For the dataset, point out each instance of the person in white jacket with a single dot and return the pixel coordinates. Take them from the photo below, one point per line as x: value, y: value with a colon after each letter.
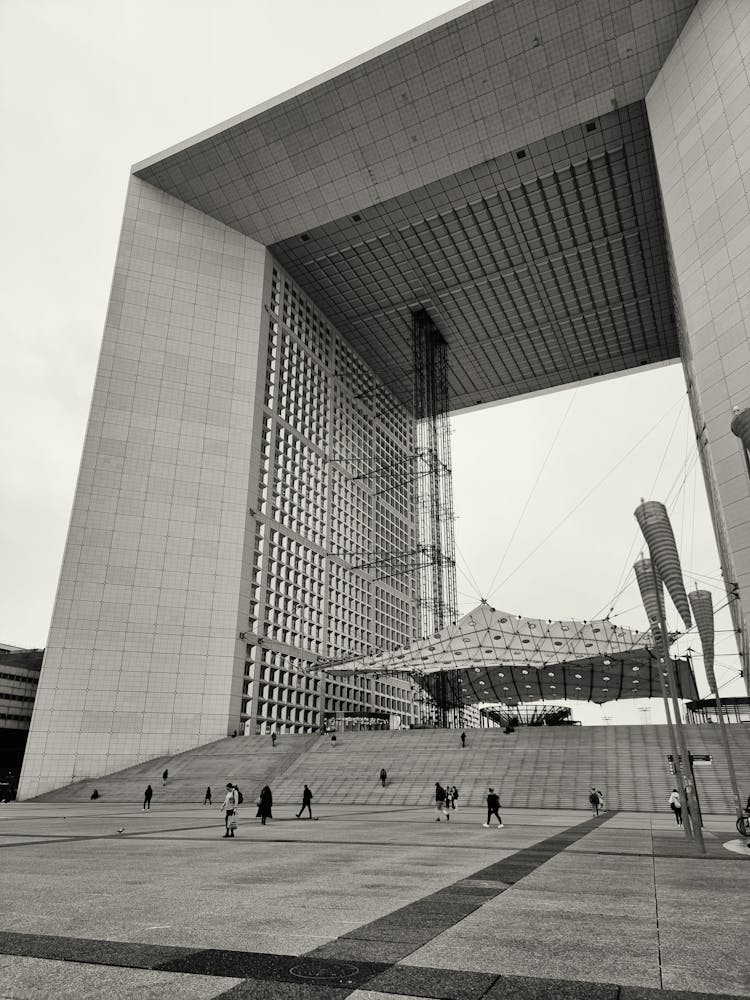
x: 675, y: 804
x: 229, y: 808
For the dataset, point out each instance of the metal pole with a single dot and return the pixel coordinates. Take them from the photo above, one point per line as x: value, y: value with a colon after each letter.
x: 728, y: 752
x: 676, y: 755
x: 695, y: 789
x: 662, y: 644
x: 689, y: 787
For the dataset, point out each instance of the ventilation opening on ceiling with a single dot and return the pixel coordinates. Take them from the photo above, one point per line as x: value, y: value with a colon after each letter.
x: 591, y: 126
x: 521, y: 154
x: 356, y: 218
x: 305, y: 237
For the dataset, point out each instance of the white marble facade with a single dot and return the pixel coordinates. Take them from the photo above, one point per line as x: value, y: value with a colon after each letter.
x: 699, y: 112
x: 143, y: 651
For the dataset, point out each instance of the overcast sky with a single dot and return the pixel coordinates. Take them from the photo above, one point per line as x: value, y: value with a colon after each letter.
x: 545, y: 488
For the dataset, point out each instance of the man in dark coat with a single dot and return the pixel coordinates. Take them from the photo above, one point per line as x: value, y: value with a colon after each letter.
x: 493, y: 808
x: 306, y: 800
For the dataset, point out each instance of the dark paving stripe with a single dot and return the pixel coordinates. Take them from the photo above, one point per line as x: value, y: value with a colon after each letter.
x: 447, y: 984
x: 254, y: 990
x: 439, y: 983
x: 527, y: 988
x: 290, y: 977
x: 407, y: 929
x: 646, y: 993
x: 90, y: 950
x: 297, y: 970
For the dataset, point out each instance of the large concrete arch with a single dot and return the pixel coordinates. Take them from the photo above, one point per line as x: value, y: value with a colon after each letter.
x: 566, y: 193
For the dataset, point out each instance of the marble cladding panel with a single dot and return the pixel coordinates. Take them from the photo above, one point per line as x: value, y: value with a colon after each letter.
x: 699, y: 112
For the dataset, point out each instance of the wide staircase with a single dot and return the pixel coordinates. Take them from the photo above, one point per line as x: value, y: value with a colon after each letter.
x: 536, y: 767
x: 247, y: 761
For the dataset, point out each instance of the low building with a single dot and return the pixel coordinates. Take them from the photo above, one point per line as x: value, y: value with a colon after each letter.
x: 19, y: 678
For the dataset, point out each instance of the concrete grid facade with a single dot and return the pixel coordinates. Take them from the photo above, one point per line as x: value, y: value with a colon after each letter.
x: 565, y: 191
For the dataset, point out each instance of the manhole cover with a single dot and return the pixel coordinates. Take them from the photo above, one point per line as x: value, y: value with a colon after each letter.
x: 325, y: 971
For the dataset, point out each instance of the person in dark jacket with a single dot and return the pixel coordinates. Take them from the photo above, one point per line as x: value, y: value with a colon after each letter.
x: 383, y: 776
x: 265, y: 801
x: 493, y: 808
x: 165, y: 776
x: 306, y: 800
x: 147, y: 796
x: 439, y: 800
x: 594, y: 800
x: 463, y: 740
x: 207, y: 796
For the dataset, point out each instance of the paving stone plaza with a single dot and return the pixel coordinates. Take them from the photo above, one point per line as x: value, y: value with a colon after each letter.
x: 366, y: 903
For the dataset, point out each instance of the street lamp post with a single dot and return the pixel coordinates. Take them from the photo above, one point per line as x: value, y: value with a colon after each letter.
x: 653, y: 520
x: 703, y: 611
x: 652, y: 595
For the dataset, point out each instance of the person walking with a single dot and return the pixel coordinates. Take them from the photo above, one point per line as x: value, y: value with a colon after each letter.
x: 265, y: 801
x: 600, y: 793
x: 229, y: 808
x: 439, y: 800
x: 207, y: 796
x: 164, y: 776
x: 454, y: 796
x: 273, y: 739
x: 448, y: 801
x: 383, y: 776
x: 493, y: 808
x: 675, y: 804
x: 147, y: 796
x: 306, y: 800
x: 463, y: 740
x: 594, y: 801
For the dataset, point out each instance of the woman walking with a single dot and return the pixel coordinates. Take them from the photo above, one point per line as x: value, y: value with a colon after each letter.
x: 229, y: 808
x: 265, y: 801
x: 675, y: 804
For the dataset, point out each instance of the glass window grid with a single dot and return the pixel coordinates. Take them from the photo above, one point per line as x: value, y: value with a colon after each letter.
x: 313, y: 600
